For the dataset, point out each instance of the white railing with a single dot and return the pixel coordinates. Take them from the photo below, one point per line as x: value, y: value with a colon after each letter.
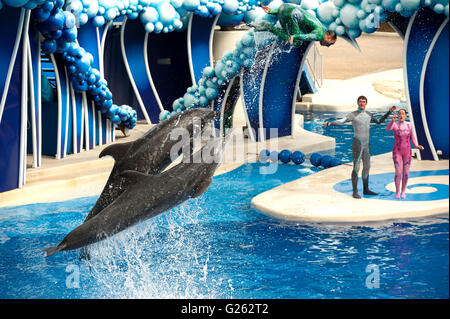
x: 315, y: 66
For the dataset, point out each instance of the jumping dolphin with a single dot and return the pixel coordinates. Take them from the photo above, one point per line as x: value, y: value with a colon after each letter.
x: 147, y: 196
x: 148, y: 154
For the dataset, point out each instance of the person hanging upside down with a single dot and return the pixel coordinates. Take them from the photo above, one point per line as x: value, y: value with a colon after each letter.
x: 297, y: 26
x: 401, y: 153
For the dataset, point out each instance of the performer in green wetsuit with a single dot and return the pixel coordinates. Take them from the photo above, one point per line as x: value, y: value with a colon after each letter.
x: 361, y: 120
x: 297, y: 26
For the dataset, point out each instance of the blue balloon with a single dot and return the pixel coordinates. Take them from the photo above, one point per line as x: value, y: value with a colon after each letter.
x: 62, y: 45
x: 48, y: 5
x: 315, y: 159
x: 55, y: 34
x: 115, y: 119
x: 40, y: 14
x: 91, y: 78
x: 59, y: 3
x: 70, y: 34
x: 285, y: 156
x: 55, y: 21
x: 79, y: 86
x: 108, y: 103
x: 82, y: 64
x: 298, y: 157
x: 49, y: 46
x: 72, y: 69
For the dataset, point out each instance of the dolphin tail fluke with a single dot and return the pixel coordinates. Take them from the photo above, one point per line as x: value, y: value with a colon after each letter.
x: 51, y: 250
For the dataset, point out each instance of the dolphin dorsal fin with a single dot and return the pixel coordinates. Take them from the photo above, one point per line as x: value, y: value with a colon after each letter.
x: 117, y: 151
x: 202, y: 187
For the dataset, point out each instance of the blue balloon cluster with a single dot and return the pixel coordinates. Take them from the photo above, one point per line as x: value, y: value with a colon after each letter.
x: 285, y: 156
x: 326, y: 161
x: 156, y: 15
x: 26, y: 4
x: 207, y: 88
x: 210, y: 8
x: 60, y: 33
x: 162, y: 15
x: 354, y: 16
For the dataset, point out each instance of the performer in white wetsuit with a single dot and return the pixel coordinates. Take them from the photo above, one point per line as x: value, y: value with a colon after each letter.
x: 361, y: 144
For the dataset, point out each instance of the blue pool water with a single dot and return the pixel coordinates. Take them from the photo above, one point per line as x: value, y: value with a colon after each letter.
x: 217, y: 246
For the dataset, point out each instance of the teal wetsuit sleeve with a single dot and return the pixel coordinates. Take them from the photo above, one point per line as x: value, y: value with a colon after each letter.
x: 273, y: 11
x: 381, y: 120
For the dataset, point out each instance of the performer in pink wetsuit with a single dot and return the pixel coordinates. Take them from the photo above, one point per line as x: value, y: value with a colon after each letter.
x: 401, y: 152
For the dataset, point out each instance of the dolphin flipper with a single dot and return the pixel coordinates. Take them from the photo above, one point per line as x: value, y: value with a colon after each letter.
x: 117, y: 151
x: 51, y: 250
x: 201, y: 188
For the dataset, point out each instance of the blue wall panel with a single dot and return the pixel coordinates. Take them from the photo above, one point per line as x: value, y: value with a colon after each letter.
x: 421, y: 35
x: 279, y: 89
x: 436, y: 96
x: 10, y: 120
x: 251, y: 84
x: 200, y: 34
x: 88, y: 39
x: 169, y: 65
x: 134, y: 35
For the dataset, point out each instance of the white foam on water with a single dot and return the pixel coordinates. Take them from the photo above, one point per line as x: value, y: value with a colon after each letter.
x: 159, y: 258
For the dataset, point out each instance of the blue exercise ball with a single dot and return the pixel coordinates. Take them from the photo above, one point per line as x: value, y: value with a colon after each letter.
x: 335, y: 162
x: 264, y: 155
x: 298, y: 157
x: 326, y: 161
x: 274, y: 156
x: 315, y: 159
x: 285, y: 156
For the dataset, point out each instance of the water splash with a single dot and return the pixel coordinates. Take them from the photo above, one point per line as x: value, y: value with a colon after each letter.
x: 165, y: 257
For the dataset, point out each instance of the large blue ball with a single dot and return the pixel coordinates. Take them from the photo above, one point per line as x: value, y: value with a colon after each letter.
x: 326, y: 161
x: 274, y: 156
x: 264, y: 155
x: 315, y: 159
x: 335, y: 162
x: 285, y: 156
x: 298, y: 157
